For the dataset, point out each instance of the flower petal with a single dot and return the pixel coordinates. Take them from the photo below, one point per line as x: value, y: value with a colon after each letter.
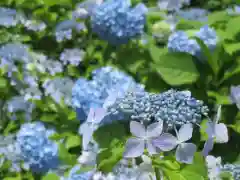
x: 137, y: 129
x: 87, y: 136
x: 185, y: 152
x: 165, y: 142
x: 134, y: 148
x: 155, y: 129
x: 221, y: 133
x: 208, y: 146
x: 185, y: 132
x: 151, y: 148
x: 210, y: 130
x: 95, y: 115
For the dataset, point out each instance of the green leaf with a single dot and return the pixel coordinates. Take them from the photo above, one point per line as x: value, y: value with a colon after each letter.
x: 51, y: 176
x: 235, y: 127
x: 107, y: 134
x: 65, y: 156
x: 48, y: 117
x: 3, y: 82
x: 177, y: 68
x: 232, y: 47
x: 172, y: 175
x: 188, y: 175
x: 108, y: 158
x: 73, y: 141
x: 219, y: 16
x: 56, y: 2
x: 197, y: 167
x: 220, y: 99
x: 156, y: 52
x: 232, y: 26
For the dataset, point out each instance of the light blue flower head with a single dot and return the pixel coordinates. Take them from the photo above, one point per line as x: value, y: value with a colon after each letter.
x: 37, y: 150
x: 116, y: 22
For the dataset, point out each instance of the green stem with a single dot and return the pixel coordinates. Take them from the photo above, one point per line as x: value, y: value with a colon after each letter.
x: 157, y: 173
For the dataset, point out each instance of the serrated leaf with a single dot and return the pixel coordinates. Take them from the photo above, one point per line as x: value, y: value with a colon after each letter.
x: 177, y: 68
x: 65, y: 156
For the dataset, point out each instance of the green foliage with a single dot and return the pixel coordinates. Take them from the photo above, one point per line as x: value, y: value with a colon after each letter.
x: 176, y: 68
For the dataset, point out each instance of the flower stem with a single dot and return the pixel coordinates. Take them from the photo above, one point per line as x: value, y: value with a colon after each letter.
x: 157, y: 173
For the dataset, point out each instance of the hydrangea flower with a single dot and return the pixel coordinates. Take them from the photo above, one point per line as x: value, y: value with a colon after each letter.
x: 143, y: 138
x: 8, y: 17
x: 194, y: 14
x: 87, y: 129
x: 235, y: 10
x: 34, y: 25
x: 172, y: 107
x: 172, y: 5
x: 233, y: 169
x: 216, y: 132
x: 36, y: 150
x: 235, y: 95
x: 180, y: 42
x: 74, y: 175
x: 84, y: 9
x: 116, y: 22
x: 214, y: 167
x: 72, y: 56
x: 19, y: 104
x: 89, y: 94
x: 59, y: 89
x: 64, y: 29
x: 185, y: 151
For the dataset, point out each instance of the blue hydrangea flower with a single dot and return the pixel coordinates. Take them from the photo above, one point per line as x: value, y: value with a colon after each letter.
x: 116, y: 22
x: 64, y: 29
x: 233, y: 169
x: 92, y: 94
x: 194, y: 14
x: 74, y: 175
x: 172, y: 107
x: 172, y: 5
x: 180, y: 42
x: 8, y: 17
x: 37, y: 151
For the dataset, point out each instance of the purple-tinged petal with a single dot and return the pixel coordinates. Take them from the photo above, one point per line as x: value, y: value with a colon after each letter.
x: 185, y: 152
x: 137, y: 129
x: 210, y: 130
x: 185, y: 132
x: 134, y: 148
x: 208, y: 146
x: 155, y: 129
x: 95, y: 115
x: 166, y: 142
x: 221, y: 133
x: 151, y: 148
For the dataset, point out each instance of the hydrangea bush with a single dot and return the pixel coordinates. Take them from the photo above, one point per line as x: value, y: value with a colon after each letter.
x: 124, y: 89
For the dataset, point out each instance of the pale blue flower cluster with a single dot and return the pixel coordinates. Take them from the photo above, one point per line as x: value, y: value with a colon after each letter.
x: 116, y: 22
x: 233, y: 169
x: 36, y: 149
x: 173, y: 107
x: 64, y: 30
x: 180, y: 42
x: 193, y: 14
x: 75, y: 175
x: 92, y: 93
